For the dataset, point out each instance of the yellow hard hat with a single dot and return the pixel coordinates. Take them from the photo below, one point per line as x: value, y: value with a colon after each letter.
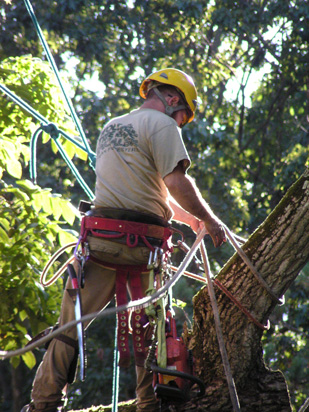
x: 176, y: 78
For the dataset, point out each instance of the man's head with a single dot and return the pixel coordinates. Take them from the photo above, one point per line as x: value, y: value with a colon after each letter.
x: 175, y: 89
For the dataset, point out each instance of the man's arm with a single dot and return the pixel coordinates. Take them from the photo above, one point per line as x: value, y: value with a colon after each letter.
x: 183, y: 189
x: 182, y: 216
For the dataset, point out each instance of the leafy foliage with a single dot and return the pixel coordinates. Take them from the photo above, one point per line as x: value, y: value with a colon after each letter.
x: 249, y: 141
x: 29, y: 215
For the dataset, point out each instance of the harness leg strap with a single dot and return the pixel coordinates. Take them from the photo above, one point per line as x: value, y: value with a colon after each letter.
x: 135, y: 287
x: 122, y: 318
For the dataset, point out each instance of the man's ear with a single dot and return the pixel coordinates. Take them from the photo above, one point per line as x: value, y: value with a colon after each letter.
x: 174, y: 101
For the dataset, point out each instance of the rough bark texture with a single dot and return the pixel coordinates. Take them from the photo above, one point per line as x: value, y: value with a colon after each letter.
x: 279, y: 250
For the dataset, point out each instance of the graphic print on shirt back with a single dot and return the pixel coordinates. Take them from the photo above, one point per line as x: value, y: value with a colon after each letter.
x: 117, y: 137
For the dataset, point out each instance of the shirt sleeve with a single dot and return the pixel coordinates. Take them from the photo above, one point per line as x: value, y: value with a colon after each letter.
x: 168, y: 150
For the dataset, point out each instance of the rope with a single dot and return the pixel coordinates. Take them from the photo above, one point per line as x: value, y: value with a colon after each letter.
x: 51, y: 261
x: 55, y: 69
x: 133, y: 305
x: 240, y: 306
x: 23, y: 104
x: 252, y: 268
x: 226, y: 365
x: 305, y: 406
x: 228, y: 294
x: 54, y: 132
x: 20, y: 102
x: 232, y: 238
x: 115, y: 373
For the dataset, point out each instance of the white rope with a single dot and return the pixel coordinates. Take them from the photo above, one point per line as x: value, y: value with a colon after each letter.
x: 225, y: 361
x: 133, y: 305
x: 51, y: 261
x: 251, y: 267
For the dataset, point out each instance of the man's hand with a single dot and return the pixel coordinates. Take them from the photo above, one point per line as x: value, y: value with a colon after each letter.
x: 216, y: 231
x: 183, y: 189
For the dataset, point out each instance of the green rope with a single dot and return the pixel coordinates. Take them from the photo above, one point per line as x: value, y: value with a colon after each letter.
x: 115, y: 372
x: 55, y: 69
x: 42, y: 119
x: 54, y: 133
x: 48, y: 127
x: 23, y: 104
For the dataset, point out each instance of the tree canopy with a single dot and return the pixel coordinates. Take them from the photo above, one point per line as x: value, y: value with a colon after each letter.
x: 248, y: 143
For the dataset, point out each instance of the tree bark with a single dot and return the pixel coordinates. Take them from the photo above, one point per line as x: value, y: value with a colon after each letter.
x: 279, y: 250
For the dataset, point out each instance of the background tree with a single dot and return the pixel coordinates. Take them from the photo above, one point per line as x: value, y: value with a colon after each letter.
x: 249, y: 141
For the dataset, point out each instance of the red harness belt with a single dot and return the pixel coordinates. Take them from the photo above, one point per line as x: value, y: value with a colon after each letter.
x: 91, y: 224
x: 128, y: 277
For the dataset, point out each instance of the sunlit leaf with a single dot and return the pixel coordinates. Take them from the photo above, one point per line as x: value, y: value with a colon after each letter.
x: 29, y: 359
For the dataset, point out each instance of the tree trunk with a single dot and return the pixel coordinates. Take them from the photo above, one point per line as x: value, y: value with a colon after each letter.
x: 279, y: 250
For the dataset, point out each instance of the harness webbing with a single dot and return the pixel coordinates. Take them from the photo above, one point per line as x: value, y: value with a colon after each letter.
x: 133, y: 305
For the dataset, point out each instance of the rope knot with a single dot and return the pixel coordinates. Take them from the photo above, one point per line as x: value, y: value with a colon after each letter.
x: 51, y: 129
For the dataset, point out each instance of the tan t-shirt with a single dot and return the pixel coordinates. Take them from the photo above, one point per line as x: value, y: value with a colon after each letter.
x: 134, y: 153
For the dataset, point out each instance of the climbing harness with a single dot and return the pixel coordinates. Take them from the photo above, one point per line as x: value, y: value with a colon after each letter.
x: 132, y: 305
x: 142, y: 304
x: 168, y: 358
x: 132, y: 231
x: 132, y: 234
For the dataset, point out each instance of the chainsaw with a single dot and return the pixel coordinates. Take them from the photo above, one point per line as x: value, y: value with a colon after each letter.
x: 176, y: 383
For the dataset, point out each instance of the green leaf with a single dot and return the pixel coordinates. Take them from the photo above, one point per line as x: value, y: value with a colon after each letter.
x: 3, y: 236
x: 15, y: 361
x: 66, y: 237
x: 14, y: 168
x: 5, y: 224
x: 29, y: 359
x: 68, y: 212
x: 21, y: 328
x: 23, y: 315
x: 56, y: 206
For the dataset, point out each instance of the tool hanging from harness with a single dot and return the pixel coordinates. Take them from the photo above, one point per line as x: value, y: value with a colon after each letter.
x: 132, y: 233
x: 170, y: 361
x: 173, y: 384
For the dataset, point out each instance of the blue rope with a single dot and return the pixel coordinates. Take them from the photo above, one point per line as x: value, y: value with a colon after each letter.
x: 23, y: 104
x: 32, y: 162
x: 54, y: 132
x: 55, y: 69
x: 115, y: 373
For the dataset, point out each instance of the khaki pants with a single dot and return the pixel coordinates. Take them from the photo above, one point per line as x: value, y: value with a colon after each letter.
x: 51, y: 377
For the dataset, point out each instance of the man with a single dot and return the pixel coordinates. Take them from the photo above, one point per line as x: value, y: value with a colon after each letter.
x: 141, y: 179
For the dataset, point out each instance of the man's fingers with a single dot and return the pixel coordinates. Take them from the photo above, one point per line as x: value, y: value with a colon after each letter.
x: 220, y: 237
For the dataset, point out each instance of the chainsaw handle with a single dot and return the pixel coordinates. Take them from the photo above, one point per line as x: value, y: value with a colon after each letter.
x: 182, y: 375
